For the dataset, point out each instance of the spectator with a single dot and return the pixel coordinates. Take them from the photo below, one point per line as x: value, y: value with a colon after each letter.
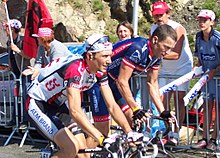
x: 49, y: 49
x: 14, y: 48
x: 178, y: 62
x: 57, y: 90
x: 130, y: 57
x: 124, y: 31
x: 207, y: 49
x: 18, y: 61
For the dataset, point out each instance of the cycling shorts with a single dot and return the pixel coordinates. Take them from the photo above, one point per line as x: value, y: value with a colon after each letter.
x: 46, y: 117
x: 100, y: 111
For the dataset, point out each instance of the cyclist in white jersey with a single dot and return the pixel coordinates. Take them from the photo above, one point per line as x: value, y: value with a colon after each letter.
x: 57, y: 90
x: 178, y: 62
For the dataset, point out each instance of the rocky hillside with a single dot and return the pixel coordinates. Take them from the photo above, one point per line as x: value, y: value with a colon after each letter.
x: 74, y: 20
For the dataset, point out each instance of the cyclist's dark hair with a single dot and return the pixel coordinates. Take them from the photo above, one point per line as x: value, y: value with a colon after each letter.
x: 164, y: 31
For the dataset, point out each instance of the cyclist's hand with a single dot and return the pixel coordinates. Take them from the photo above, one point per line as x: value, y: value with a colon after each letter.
x: 166, y: 114
x: 108, y: 140
x: 135, y: 136
x: 109, y: 143
x: 170, y: 115
x: 140, y: 115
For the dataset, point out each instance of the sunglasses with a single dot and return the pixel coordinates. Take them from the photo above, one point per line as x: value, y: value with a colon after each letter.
x: 101, y: 40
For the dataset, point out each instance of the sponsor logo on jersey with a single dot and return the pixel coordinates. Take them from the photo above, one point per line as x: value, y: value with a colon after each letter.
x: 208, y: 57
x: 52, y: 84
x: 42, y: 121
x: 90, y: 79
x: 136, y: 56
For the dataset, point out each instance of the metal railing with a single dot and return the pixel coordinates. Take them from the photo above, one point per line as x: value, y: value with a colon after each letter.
x: 194, y: 115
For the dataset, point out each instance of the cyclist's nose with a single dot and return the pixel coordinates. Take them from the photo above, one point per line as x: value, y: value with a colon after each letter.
x: 109, y: 60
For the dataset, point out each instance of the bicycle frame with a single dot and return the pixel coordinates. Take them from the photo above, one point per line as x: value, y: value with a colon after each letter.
x: 124, y: 150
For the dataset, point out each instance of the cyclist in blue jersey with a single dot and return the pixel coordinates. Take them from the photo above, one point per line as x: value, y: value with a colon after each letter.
x: 130, y: 57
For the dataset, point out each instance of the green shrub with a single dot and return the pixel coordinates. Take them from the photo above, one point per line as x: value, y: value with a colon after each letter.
x: 81, y: 38
x: 209, y: 4
x: 143, y: 27
x: 77, y: 4
x: 97, y: 5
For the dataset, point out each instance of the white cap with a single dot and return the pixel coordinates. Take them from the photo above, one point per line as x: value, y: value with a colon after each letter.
x: 205, y: 13
x: 97, y: 43
x: 13, y: 23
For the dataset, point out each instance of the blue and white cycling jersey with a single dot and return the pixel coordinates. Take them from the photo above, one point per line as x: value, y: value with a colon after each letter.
x: 135, y: 53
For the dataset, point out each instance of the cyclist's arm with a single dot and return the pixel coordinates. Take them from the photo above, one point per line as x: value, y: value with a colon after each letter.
x: 74, y: 100
x: 123, y: 85
x: 114, y: 108
x: 153, y: 87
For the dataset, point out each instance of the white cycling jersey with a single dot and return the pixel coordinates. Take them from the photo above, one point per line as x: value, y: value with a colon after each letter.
x: 50, y: 85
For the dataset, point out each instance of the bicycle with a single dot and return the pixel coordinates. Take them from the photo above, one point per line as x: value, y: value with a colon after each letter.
x: 122, y: 149
x: 148, y: 148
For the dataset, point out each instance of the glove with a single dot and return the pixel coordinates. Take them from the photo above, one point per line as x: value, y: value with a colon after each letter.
x: 108, y: 140
x: 138, y: 113
x: 135, y: 136
x: 109, y: 143
x: 165, y: 114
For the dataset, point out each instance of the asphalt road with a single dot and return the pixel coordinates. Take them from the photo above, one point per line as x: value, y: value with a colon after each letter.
x: 28, y: 150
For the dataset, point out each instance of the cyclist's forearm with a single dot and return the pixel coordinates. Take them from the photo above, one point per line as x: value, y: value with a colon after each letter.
x: 125, y: 90
x: 154, y: 93
x: 120, y: 118
x: 114, y: 108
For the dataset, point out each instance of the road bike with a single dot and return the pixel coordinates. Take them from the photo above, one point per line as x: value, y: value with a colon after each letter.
x: 147, y: 148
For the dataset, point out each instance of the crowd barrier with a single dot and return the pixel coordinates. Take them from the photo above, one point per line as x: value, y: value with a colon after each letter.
x: 194, y: 115
x: 12, y: 104
x: 8, y: 99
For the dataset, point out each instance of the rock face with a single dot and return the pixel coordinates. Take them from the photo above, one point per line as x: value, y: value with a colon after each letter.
x: 3, y: 37
x: 74, y: 20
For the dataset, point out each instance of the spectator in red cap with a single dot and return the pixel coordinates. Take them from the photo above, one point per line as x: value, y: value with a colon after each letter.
x: 18, y: 61
x: 207, y: 50
x: 49, y: 49
x: 177, y: 62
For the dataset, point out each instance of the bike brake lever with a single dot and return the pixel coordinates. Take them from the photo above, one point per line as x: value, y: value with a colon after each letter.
x: 163, y: 146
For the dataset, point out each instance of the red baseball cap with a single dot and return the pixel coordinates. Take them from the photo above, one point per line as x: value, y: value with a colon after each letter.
x: 159, y: 8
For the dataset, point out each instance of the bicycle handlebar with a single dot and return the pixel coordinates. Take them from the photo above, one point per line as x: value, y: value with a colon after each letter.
x: 167, y: 123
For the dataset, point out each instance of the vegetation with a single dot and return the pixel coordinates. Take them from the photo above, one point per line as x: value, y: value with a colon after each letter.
x: 81, y: 38
x: 97, y: 5
x: 211, y: 4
